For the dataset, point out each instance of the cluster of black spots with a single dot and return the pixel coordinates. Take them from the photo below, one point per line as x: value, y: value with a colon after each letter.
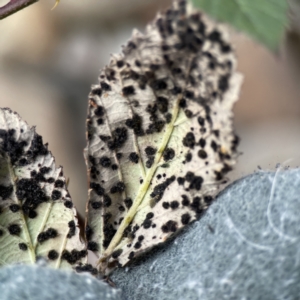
x: 30, y: 191
x: 50, y: 233
x: 185, y: 200
x: 159, y: 189
x: 56, y: 194
x: 53, y: 255
x: 188, y: 113
x: 170, y: 226
x: 23, y: 162
x: 98, y: 189
x: 235, y: 143
x: 168, y: 118
x: 59, y: 183
x: 149, y: 162
x: 14, y: 208
x: 13, y: 148
x: 133, y: 157
x: 68, y: 204
x: 180, y: 180
x: 195, y: 181
x: 32, y: 214
x: 93, y: 246
x: 105, y: 86
x: 169, y: 154
x: 165, y: 205
x: 157, y: 124
x: 45, y: 170
x: 86, y: 268
x: 14, y: 229
x: 37, y: 147
x: 109, y: 233
x: 88, y: 232
x: 72, y: 229
x: 119, y: 137
x: 131, y: 255
x: 119, y: 187
x: 23, y: 246
x: 105, y: 162
x: 162, y: 104
x: 135, y: 123
x: 96, y: 204
x: 185, y: 218
x: 188, y: 158
x: 189, y: 140
x: 202, y: 142
x: 196, y: 205
x: 128, y: 90
x: 202, y: 154
x: 73, y: 256
x: 174, y: 204
x: 128, y: 202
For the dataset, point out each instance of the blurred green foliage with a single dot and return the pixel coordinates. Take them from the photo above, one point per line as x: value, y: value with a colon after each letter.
x: 265, y: 20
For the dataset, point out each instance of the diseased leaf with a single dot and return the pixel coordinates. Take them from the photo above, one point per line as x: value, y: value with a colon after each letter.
x: 160, y: 137
x: 37, y: 217
x: 266, y: 21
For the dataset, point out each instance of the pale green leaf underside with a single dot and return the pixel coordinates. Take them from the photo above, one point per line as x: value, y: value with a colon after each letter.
x: 160, y: 136
x: 37, y: 218
x: 266, y: 21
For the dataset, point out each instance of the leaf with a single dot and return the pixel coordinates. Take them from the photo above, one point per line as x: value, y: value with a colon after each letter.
x: 266, y: 21
x: 37, y: 218
x: 160, y: 137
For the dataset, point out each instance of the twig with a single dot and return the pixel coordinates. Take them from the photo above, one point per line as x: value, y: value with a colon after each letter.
x: 14, y: 6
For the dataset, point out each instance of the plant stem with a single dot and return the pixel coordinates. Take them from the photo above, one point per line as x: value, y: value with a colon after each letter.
x: 14, y: 6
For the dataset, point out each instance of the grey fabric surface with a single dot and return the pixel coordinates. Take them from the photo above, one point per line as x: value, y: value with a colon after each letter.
x: 247, y: 246
x: 42, y: 283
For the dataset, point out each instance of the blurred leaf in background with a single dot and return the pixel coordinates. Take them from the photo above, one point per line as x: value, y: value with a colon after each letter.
x: 265, y: 20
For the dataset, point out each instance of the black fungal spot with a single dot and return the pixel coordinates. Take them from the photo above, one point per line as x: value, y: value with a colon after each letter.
x: 106, y: 201
x: 73, y: 256
x: 109, y: 233
x: 158, y: 85
x: 100, y: 121
x: 223, y: 83
x: 201, y: 121
x: 170, y: 226
x: 114, y: 167
x: 189, y: 94
x: 55, y: 195
x: 128, y: 90
x: 117, y: 253
x: 174, y: 204
x: 104, y: 138
x: 93, y: 246
x: 180, y: 180
x: 128, y: 202
x: 121, y: 208
x: 150, y: 162
x: 45, y: 170
x: 23, y: 246
x: 162, y: 104
x: 59, y: 183
x: 120, y: 63
x: 105, y: 86
x: 32, y: 214
x: 182, y: 103
x: 105, y: 161
x: 137, y: 245
x: 208, y: 199
x: 68, y: 204
x: 50, y: 180
x: 99, y: 190
x: 188, y: 158
x: 88, y: 232
x: 72, y: 229
x: 141, y: 238
x: 185, y: 200
x: 189, y: 140
x: 158, y: 190
x: 97, y: 91
x: 119, y: 155
x: 147, y: 223
x: 188, y: 113
x: 165, y: 205
x: 86, y: 268
x: 133, y: 157
x: 1, y: 232
x: 150, y: 151
x: 118, y: 188
x: 214, y: 146
x: 168, y: 117
x: 14, y: 208
x: 149, y: 215
x: 131, y: 255
x: 185, y: 218
x: 202, y: 154
x: 202, y: 143
x: 5, y: 191
x: 169, y: 154
x: 53, y: 255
